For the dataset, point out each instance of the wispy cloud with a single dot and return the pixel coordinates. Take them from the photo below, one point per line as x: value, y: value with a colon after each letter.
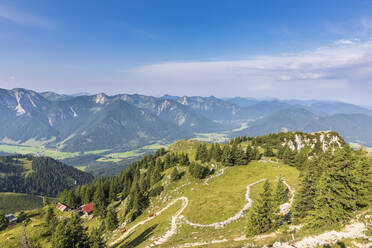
x: 334, y: 67
x: 21, y: 18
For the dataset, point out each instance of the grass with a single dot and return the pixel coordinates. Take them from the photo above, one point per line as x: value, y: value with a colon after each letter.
x: 82, y: 167
x: 14, y: 202
x: 152, y: 229
x: 21, y: 149
x: 221, y: 199
x: 119, y: 156
x: 212, y: 137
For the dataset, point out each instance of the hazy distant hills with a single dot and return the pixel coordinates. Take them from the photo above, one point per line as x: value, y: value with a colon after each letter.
x: 126, y: 121
x: 352, y: 127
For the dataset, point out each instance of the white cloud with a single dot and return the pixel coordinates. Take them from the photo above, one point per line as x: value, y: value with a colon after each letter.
x: 344, y: 42
x: 331, y: 68
x: 21, y: 18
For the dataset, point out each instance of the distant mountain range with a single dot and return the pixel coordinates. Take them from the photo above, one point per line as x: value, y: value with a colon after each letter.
x: 124, y: 121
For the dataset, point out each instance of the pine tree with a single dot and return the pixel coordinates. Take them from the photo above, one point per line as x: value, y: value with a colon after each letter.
x: 249, y: 154
x: 240, y: 157
x: 226, y: 157
x: 111, y: 220
x: 203, y: 153
x: 262, y: 215
x: 336, y: 192
x: 156, y: 176
x: 175, y: 174
x: 184, y: 160
x: 51, y: 219
x: 96, y: 240
x: 70, y: 233
x: 289, y: 156
x: 167, y: 161
x: 281, y: 192
x: 99, y: 201
x: 304, y: 199
x: 217, y: 153
x: 256, y: 154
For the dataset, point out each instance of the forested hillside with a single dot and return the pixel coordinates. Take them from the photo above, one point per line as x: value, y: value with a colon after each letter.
x: 249, y: 191
x: 38, y: 175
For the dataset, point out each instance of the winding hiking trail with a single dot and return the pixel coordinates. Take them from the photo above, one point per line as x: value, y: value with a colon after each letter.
x: 231, y: 219
x: 286, y: 207
x: 177, y: 216
x: 214, y: 176
x: 352, y: 231
x: 130, y: 230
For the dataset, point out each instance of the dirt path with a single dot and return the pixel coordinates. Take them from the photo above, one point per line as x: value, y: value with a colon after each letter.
x: 352, y: 231
x: 214, y: 176
x: 177, y: 216
x: 286, y: 207
x: 231, y: 219
x: 130, y: 230
x: 173, y: 230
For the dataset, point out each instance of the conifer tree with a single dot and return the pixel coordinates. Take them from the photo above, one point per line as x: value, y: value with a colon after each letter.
x: 156, y: 176
x: 70, y: 233
x: 99, y: 201
x: 111, y: 220
x: 175, y: 174
x: 256, y: 154
x: 262, y: 218
x: 249, y: 154
x: 336, y: 192
x: 217, y: 153
x: 304, y: 199
x: 96, y: 240
x: 281, y: 192
x: 184, y: 159
x: 226, y: 157
x: 289, y: 156
x: 50, y: 219
x: 167, y: 161
x: 240, y: 156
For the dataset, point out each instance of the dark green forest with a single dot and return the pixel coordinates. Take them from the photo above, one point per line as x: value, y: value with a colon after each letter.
x: 45, y: 177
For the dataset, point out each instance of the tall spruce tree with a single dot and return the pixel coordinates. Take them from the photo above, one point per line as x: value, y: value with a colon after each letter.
x: 262, y: 215
x: 70, y: 234
x: 111, y: 221
x: 96, y: 240
x: 304, y: 199
x: 336, y: 192
x: 51, y: 219
x: 99, y: 201
x: 217, y: 153
x: 226, y: 157
x: 281, y: 192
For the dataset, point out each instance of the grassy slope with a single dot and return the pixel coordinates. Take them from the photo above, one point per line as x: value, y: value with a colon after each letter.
x: 221, y: 199
x: 14, y: 202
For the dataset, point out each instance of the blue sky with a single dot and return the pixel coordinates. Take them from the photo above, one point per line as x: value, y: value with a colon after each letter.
x: 286, y: 49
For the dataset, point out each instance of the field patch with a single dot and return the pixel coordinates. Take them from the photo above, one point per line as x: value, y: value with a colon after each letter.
x: 15, y: 202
